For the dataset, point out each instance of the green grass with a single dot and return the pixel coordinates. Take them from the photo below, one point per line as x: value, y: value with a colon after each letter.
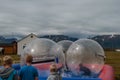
x: 113, y: 59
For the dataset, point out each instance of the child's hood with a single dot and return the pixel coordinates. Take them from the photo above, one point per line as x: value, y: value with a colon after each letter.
x: 5, y: 72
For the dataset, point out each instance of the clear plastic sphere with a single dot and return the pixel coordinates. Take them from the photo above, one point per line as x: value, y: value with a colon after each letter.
x: 38, y: 48
x: 86, y: 52
x: 64, y: 44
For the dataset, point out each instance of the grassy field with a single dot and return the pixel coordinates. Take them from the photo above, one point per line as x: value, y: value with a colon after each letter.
x: 112, y: 58
x: 16, y: 58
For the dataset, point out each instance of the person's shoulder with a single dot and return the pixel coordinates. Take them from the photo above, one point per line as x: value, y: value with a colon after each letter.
x: 14, y: 71
x: 2, y: 69
x: 34, y: 67
x: 51, y: 77
x: 23, y: 67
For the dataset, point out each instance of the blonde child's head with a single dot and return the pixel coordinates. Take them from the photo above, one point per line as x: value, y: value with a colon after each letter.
x: 53, y: 68
x: 7, y: 60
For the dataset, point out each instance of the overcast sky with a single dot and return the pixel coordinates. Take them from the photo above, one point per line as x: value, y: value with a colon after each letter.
x: 71, y: 17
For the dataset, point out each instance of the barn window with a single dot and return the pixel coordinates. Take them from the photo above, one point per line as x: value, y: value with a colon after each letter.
x: 24, y: 46
x: 31, y: 36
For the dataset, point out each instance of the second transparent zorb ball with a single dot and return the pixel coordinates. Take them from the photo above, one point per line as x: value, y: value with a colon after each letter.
x: 40, y: 50
x: 86, y: 52
x: 64, y: 44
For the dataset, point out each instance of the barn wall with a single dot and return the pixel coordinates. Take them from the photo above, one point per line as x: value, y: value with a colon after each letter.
x: 21, y: 44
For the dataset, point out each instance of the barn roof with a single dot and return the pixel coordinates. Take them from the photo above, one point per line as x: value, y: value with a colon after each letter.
x: 26, y: 37
x: 6, y: 44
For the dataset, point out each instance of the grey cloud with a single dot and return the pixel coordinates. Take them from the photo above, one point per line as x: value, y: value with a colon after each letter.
x: 59, y: 16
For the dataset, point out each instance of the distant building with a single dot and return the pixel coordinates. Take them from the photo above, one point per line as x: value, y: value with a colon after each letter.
x: 8, y: 48
x: 21, y: 44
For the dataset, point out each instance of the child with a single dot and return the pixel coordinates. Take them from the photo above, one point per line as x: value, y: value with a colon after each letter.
x: 84, y: 70
x: 28, y: 72
x: 7, y: 72
x: 53, y: 73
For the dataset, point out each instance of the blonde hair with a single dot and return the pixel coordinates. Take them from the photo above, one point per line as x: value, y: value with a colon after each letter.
x: 29, y: 58
x: 53, y: 68
x: 7, y: 60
